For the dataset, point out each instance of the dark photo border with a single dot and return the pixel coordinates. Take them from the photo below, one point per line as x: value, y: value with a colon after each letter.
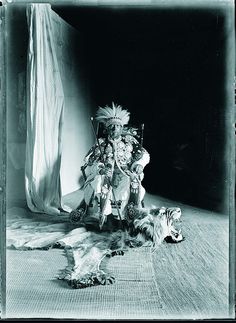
x: 227, y: 119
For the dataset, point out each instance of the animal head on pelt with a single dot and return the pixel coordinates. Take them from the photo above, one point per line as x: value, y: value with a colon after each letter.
x: 140, y: 227
x: 155, y: 225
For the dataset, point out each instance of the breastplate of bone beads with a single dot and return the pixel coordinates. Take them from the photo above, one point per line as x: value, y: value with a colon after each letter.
x: 120, y: 151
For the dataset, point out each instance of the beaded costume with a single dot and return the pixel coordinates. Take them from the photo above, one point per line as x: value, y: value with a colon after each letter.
x: 103, y: 194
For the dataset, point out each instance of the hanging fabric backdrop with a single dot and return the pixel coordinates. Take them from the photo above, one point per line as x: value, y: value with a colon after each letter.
x: 45, y: 104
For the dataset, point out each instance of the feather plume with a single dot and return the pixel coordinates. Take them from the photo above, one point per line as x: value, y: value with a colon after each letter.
x: 113, y: 114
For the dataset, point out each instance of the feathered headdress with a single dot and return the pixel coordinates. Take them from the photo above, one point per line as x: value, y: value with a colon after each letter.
x: 112, y: 115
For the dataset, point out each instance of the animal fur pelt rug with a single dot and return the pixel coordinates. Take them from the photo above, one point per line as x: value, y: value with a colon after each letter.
x: 86, y: 246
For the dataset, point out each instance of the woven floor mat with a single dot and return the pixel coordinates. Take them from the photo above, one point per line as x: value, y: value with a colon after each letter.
x: 193, y: 276
x: 32, y: 290
x: 179, y: 281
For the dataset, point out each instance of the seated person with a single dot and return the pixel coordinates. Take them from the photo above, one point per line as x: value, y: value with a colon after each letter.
x: 114, y: 169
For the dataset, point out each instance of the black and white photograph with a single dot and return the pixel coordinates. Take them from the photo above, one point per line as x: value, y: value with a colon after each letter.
x: 117, y: 184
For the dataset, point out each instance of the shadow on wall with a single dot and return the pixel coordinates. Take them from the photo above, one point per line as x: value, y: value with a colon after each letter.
x: 168, y: 69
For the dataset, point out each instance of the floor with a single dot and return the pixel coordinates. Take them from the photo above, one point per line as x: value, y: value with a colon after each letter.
x: 189, y: 280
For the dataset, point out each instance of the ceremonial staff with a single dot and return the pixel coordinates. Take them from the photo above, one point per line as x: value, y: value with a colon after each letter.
x: 142, y: 130
x: 113, y: 193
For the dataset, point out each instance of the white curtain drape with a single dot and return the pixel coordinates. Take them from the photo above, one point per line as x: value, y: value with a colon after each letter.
x: 45, y: 104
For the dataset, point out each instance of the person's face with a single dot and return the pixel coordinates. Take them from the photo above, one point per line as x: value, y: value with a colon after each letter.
x: 114, y: 130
